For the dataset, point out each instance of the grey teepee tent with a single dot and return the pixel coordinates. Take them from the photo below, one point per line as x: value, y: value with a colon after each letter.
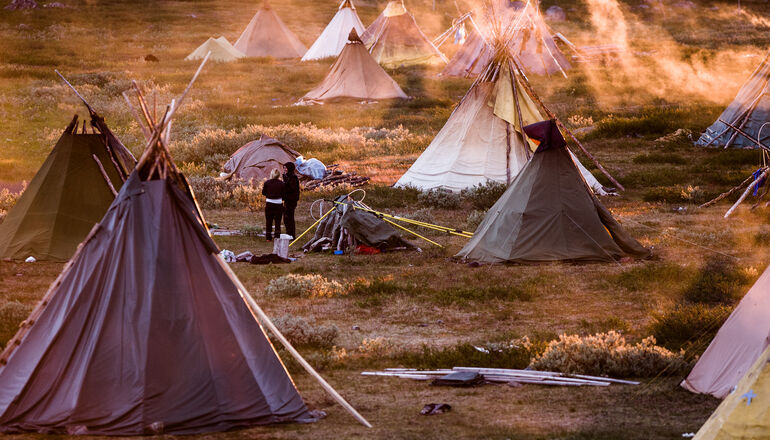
x: 68, y: 195
x: 749, y: 111
x: 548, y: 213
x: 145, y: 331
x: 267, y: 36
x: 355, y: 75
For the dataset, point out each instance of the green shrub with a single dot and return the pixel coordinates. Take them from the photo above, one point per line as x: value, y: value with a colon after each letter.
x: 675, y: 194
x: 719, y: 281
x: 652, y: 121
x: 214, y: 193
x: 732, y: 158
x: 688, y: 326
x: 641, y: 277
x: 667, y: 158
x: 383, y: 197
x: 305, y: 286
x: 8, y: 200
x: 609, y: 354
x: 439, y: 198
x: 483, y: 196
x: 474, y: 220
x: 513, y: 354
x: 305, y: 333
x: 11, y: 315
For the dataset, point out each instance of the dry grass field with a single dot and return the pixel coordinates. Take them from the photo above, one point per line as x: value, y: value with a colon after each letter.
x: 423, y: 309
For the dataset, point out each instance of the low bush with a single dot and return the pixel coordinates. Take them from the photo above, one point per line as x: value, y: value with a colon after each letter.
x: 483, y: 196
x: 667, y: 158
x: 512, y: 354
x: 438, y: 198
x: 383, y: 197
x: 213, y: 193
x: 675, y: 194
x: 11, y: 315
x: 641, y: 277
x: 306, y: 333
x: 719, y: 281
x: 372, y: 293
x: 305, y: 286
x: 474, y: 220
x: 652, y: 121
x: 609, y: 354
x: 734, y: 158
x: 688, y: 326
x: 375, y: 347
x: 8, y: 200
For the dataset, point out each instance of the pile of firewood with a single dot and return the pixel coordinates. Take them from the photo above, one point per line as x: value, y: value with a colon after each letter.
x: 336, y: 177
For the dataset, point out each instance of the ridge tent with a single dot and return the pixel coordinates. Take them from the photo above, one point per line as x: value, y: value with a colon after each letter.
x: 749, y: 111
x: 745, y: 412
x: 254, y: 160
x: 267, y: 36
x: 355, y: 75
x: 394, y: 39
x: 548, y: 213
x: 333, y: 38
x: 483, y: 138
x: 221, y: 51
x: 738, y: 344
x: 68, y: 195
x: 532, y: 44
x: 145, y: 331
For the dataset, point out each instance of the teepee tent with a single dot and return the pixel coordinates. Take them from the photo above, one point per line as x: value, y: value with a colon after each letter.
x: 737, y: 345
x: 483, y: 138
x: 333, y: 38
x: 745, y: 412
x: 221, y: 51
x: 749, y: 111
x: 394, y: 39
x: 355, y: 75
x: 548, y: 213
x: 255, y: 160
x: 267, y: 36
x: 147, y: 330
x: 68, y: 195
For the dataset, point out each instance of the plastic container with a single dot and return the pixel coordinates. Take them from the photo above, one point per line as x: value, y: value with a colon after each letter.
x: 338, y: 252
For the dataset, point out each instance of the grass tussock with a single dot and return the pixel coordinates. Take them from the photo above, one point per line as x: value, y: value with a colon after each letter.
x: 305, y: 333
x: 676, y: 194
x: 512, y: 354
x: 689, y: 327
x: 305, y: 286
x: 609, y: 354
x: 7, y: 201
x: 719, y: 281
x: 483, y: 196
x: 439, y: 198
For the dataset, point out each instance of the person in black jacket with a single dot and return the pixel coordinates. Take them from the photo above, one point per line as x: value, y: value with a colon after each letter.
x: 290, y: 197
x: 273, y: 189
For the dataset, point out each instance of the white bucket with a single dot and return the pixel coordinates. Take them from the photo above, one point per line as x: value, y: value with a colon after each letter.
x: 281, y: 245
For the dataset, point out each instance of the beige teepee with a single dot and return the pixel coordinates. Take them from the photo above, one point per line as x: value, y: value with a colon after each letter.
x: 332, y: 40
x: 221, y: 51
x: 267, y: 36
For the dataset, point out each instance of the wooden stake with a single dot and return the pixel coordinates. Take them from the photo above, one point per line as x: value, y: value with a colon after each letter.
x: 261, y: 315
x: 746, y: 193
x: 104, y: 174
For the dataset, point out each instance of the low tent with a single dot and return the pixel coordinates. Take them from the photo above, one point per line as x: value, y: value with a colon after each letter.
x: 745, y: 412
x: 483, y: 139
x: 548, y: 213
x: 146, y: 331
x: 256, y: 159
x: 68, y: 195
x: 739, y: 343
x: 351, y: 224
x: 355, y: 75
x: 333, y: 38
x: 267, y: 36
x: 394, y: 39
x: 221, y: 51
x: 749, y: 111
x: 532, y: 44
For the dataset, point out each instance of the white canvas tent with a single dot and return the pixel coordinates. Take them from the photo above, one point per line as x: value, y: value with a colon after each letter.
x: 221, y: 51
x: 737, y: 345
x: 483, y: 138
x: 267, y: 36
x: 333, y: 38
x: 355, y: 75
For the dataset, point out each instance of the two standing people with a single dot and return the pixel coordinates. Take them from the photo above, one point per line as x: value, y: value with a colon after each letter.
x: 281, y: 201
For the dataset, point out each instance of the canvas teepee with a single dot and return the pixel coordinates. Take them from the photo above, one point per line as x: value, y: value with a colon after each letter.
x: 532, y: 44
x: 146, y: 330
x: 745, y: 412
x: 749, y: 111
x: 68, y: 195
x: 267, y: 36
x: 255, y: 160
x: 394, y: 39
x: 483, y: 138
x: 221, y: 51
x: 333, y: 38
x: 355, y: 75
x: 738, y: 344
x: 549, y: 214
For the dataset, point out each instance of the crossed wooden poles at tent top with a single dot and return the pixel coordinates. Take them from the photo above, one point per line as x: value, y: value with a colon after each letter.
x: 156, y: 162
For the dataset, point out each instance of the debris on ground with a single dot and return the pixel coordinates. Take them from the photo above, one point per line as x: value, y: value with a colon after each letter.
x: 432, y: 409
x: 336, y: 177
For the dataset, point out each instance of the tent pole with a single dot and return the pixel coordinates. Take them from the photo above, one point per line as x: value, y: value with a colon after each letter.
x: 746, y: 193
x: 104, y: 174
x: 412, y: 232
x: 568, y: 131
x: 260, y: 314
x: 312, y: 226
x: 518, y: 112
x: 728, y: 193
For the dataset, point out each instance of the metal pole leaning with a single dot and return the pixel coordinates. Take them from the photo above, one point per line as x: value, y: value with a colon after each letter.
x: 312, y: 226
x: 448, y: 230
x: 259, y: 313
